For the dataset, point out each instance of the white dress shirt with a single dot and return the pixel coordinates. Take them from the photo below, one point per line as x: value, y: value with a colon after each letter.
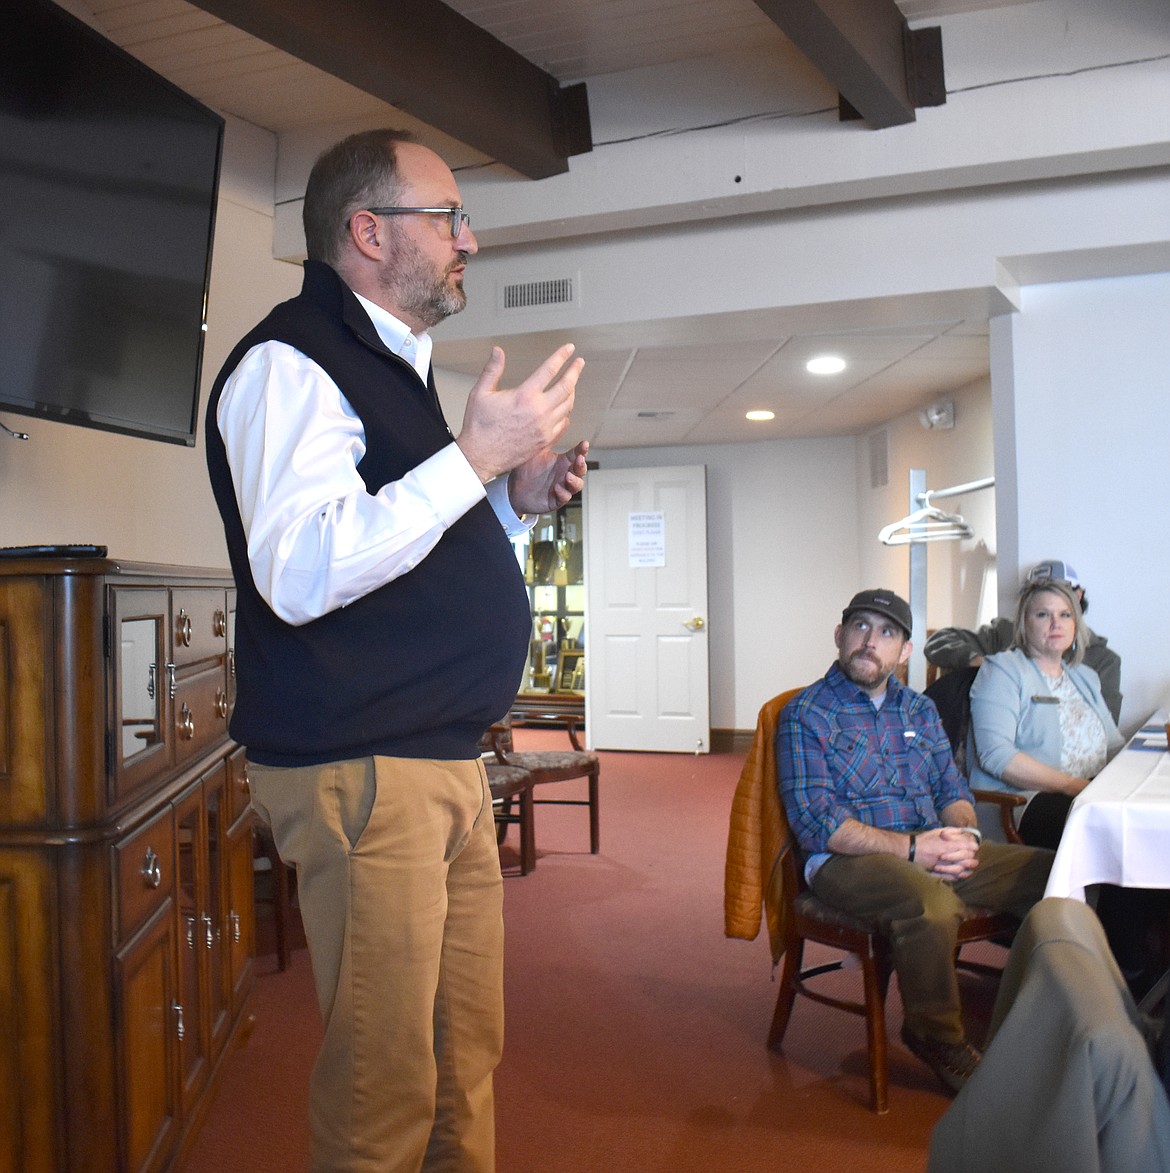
x: 317, y: 540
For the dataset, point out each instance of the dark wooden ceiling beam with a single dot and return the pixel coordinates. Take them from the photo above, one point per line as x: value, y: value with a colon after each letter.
x: 882, y: 69
x: 433, y: 63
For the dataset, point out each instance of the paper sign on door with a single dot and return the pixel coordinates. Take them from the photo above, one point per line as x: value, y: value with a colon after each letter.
x: 647, y: 539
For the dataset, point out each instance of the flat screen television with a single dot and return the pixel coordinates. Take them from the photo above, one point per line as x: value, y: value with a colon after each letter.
x: 108, y: 180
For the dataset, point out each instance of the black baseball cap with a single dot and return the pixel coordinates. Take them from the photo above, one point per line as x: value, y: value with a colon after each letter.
x: 882, y: 602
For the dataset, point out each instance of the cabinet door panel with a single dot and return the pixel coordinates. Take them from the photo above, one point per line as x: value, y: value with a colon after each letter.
x: 215, y: 790
x: 195, y: 930
x: 140, y: 681
x: 28, y: 1093
x: 151, y: 1018
x: 239, y: 793
x: 241, y: 914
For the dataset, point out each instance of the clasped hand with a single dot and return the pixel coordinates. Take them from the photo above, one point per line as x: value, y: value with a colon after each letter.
x: 513, y: 430
x: 949, y: 853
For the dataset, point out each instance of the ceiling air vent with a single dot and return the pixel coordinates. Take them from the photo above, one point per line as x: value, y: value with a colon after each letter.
x: 527, y: 295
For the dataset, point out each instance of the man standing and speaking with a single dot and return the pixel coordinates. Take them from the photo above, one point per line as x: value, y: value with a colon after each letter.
x: 382, y: 625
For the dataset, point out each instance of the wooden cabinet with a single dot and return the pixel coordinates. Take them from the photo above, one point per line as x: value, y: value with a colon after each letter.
x: 126, y: 933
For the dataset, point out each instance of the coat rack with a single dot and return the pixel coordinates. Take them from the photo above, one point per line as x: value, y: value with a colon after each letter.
x: 926, y: 523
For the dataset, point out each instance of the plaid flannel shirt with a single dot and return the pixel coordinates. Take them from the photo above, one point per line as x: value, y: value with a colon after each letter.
x: 838, y: 758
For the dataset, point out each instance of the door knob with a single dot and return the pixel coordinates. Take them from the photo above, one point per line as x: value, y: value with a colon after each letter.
x: 696, y: 624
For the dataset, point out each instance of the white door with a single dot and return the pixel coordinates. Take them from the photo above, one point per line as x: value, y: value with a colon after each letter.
x: 646, y: 609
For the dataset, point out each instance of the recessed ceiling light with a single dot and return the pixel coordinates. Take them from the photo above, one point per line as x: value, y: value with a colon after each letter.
x: 760, y: 415
x: 825, y: 364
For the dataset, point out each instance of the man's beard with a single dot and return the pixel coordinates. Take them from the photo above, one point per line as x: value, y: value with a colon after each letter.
x: 414, y: 289
x: 863, y: 670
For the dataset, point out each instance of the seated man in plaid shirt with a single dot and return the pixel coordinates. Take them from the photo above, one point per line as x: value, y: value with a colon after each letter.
x: 887, y: 823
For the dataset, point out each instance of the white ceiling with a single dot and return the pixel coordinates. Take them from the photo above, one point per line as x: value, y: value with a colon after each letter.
x: 637, y: 389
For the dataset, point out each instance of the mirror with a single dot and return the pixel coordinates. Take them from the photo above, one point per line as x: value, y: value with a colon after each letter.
x: 141, y: 685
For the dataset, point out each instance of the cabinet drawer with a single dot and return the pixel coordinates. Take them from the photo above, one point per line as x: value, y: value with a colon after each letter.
x: 198, y: 624
x: 144, y: 871
x: 200, y: 711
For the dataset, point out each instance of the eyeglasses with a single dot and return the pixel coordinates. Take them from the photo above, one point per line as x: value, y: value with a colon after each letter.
x: 457, y: 216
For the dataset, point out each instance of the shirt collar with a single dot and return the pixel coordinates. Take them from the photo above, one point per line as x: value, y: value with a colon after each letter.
x: 399, y: 339
x: 848, y: 691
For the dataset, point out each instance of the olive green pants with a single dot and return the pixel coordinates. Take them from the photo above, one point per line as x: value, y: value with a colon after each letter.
x: 919, y: 915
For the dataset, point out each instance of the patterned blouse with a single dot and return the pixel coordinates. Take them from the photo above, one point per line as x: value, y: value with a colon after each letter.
x: 1083, y: 740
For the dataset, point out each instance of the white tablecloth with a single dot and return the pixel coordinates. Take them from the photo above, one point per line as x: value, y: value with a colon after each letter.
x: 1118, y: 831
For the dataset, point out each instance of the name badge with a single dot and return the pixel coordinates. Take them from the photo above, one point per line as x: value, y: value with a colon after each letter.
x: 1045, y: 699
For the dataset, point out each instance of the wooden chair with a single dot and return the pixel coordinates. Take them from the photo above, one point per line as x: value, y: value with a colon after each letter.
x: 762, y: 842
x: 264, y: 849
x: 554, y: 766
x: 507, y: 783
x: 951, y: 693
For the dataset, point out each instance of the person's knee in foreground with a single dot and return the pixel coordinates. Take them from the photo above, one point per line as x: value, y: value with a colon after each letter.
x: 382, y: 626
x: 887, y: 823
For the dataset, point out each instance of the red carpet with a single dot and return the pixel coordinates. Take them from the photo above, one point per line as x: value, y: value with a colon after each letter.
x: 635, y: 1035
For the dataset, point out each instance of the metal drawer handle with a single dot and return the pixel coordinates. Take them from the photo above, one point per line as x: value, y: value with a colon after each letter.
x: 190, y: 932
x: 183, y: 628
x: 234, y: 918
x: 186, y: 723
x: 151, y: 869
x: 221, y: 703
x: 179, y: 1029
x: 219, y: 623
x: 209, y: 932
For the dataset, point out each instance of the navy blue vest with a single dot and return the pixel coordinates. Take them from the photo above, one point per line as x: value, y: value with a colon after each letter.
x: 420, y: 666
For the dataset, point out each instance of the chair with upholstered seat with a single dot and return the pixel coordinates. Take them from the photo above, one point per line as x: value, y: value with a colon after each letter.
x: 765, y: 871
x: 554, y: 766
x: 508, y: 783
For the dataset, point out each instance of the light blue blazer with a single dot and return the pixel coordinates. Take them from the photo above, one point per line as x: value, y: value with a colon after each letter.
x: 1007, y: 717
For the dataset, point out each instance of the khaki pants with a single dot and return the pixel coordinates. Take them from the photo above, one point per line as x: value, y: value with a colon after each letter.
x: 399, y: 884
x: 920, y: 916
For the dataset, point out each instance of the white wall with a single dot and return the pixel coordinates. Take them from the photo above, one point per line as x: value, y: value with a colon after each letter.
x: 781, y: 522
x: 792, y: 535
x: 1084, y: 384
x: 148, y: 501
x: 960, y: 575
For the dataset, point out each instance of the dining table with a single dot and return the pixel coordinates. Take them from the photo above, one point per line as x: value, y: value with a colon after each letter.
x: 1118, y: 830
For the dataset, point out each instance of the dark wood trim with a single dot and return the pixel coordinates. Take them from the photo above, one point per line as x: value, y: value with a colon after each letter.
x: 731, y: 740
x: 431, y: 62
x: 867, y: 50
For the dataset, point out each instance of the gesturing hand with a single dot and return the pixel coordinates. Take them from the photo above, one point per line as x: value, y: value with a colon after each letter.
x: 506, y: 429
x: 548, y: 480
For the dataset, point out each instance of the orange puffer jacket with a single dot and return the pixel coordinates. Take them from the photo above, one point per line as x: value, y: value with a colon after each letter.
x: 758, y: 835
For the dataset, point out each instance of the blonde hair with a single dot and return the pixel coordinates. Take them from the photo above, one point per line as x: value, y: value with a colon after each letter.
x: 1073, y: 655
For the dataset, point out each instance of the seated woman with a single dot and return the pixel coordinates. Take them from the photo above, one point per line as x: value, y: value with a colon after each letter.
x: 1039, y: 724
